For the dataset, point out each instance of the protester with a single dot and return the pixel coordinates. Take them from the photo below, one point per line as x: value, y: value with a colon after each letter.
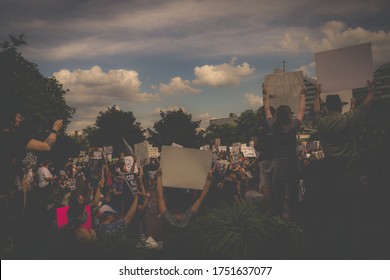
x: 336, y: 132
x: 286, y: 166
x: 13, y: 148
x: 266, y: 154
x: 182, y: 219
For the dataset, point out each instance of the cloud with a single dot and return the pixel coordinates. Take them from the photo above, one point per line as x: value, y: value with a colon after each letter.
x: 96, y: 87
x: 222, y: 74
x: 177, y: 86
x: 336, y: 34
x: 93, y: 90
x: 253, y: 100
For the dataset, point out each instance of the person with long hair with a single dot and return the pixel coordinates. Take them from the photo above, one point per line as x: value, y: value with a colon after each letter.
x: 286, y: 171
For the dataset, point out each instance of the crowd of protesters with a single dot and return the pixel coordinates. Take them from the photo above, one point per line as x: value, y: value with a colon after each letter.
x: 102, y: 201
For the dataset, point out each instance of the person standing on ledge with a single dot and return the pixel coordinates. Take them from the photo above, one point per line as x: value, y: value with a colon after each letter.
x: 13, y: 149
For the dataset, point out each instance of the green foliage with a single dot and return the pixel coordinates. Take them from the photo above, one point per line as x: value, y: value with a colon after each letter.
x: 40, y: 99
x: 176, y: 127
x: 111, y: 125
x: 242, y: 232
x: 246, y: 128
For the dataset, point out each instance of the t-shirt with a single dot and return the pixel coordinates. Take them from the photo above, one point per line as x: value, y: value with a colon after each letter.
x: 12, y: 151
x: 265, y: 143
x: 285, y: 140
x: 43, y: 173
x: 108, y: 229
x: 336, y: 131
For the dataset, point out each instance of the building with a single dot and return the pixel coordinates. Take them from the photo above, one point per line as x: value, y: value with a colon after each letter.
x: 382, y: 91
x: 231, y: 120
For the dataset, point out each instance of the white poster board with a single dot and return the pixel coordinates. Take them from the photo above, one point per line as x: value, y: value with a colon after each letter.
x: 222, y: 148
x: 107, y: 150
x: 142, y: 153
x: 344, y: 68
x: 153, y: 152
x: 249, y: 152
x: 185, y: 168
x: 176, y: 145
x: 235, y: 149
x: 129, y: 163
x: 284, y: 84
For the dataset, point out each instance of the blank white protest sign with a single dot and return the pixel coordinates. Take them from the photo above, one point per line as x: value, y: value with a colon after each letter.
x: 344, y: 68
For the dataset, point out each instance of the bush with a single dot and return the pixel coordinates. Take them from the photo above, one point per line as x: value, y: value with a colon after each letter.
x: 242, y: 232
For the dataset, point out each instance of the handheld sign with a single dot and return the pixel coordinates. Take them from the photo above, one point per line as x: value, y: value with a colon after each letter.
x: 344, y: 68
x: 153, y: 152
x: 142, y: 153
x: 131, y: 182
x: 185, y: 168
x: 249, y: 152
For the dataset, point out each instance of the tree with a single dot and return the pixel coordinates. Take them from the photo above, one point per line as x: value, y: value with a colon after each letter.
x: 245, y: 129
x: 40, y: 99
x: 111, y: 125
x: 176, y: 127
x: 226, y: 132
x: 247, y: 126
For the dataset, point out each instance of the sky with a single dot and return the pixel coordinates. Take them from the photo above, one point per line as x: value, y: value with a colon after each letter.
x: 208, y: 57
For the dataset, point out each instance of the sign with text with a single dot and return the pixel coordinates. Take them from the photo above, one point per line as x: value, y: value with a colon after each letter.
x: 153, y: 152
x: 107, y: 150
x: 129, y: 161
x: 142, y: 153
x: 95, y: 168
x: 217, y: 142
x: 249, y: 152
x: 235, y: 149
x: 344, y: 68
x: 185, y: 168
x: 131, y: 182
x: 284, y: 84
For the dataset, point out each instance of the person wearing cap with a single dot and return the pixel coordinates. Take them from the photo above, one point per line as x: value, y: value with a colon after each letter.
x: 336, y: 129
x: 111, y: 223
x: 336, y: 133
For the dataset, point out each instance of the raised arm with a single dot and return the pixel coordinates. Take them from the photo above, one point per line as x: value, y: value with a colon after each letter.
x: 96, y: 198
x: 267, y: 107
x: 195, y: 207
x: 370, y: 96
x: 160, y: 195
x: 39, y: 146
x: 316, y: 104
x: 132, y: 210
x: 302, y: 104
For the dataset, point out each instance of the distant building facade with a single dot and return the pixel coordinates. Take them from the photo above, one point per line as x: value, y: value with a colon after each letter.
x: 231, y: 120
x: 382, y: 89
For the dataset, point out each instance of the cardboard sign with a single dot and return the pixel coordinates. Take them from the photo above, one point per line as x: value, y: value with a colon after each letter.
x: 129, y: 163
x: 153, y: 152
x: 235, y: 149
x: 242, y: 146
x: 95, y: 168
x: 222, y: 148
x: 185, y: 168
x: 249, y: 152
x: 176, y: 145
x: 142, y: 153
x: 284, y: 84
x: 217, y: 142
x: 29, y: 159
x: 251, y: 143
x: 62, y: 218
x: 107, y: 150
x: 344, y: 68
x: 131, y: 182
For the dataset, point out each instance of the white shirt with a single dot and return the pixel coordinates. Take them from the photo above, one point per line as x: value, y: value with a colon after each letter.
x: 43, y: 173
